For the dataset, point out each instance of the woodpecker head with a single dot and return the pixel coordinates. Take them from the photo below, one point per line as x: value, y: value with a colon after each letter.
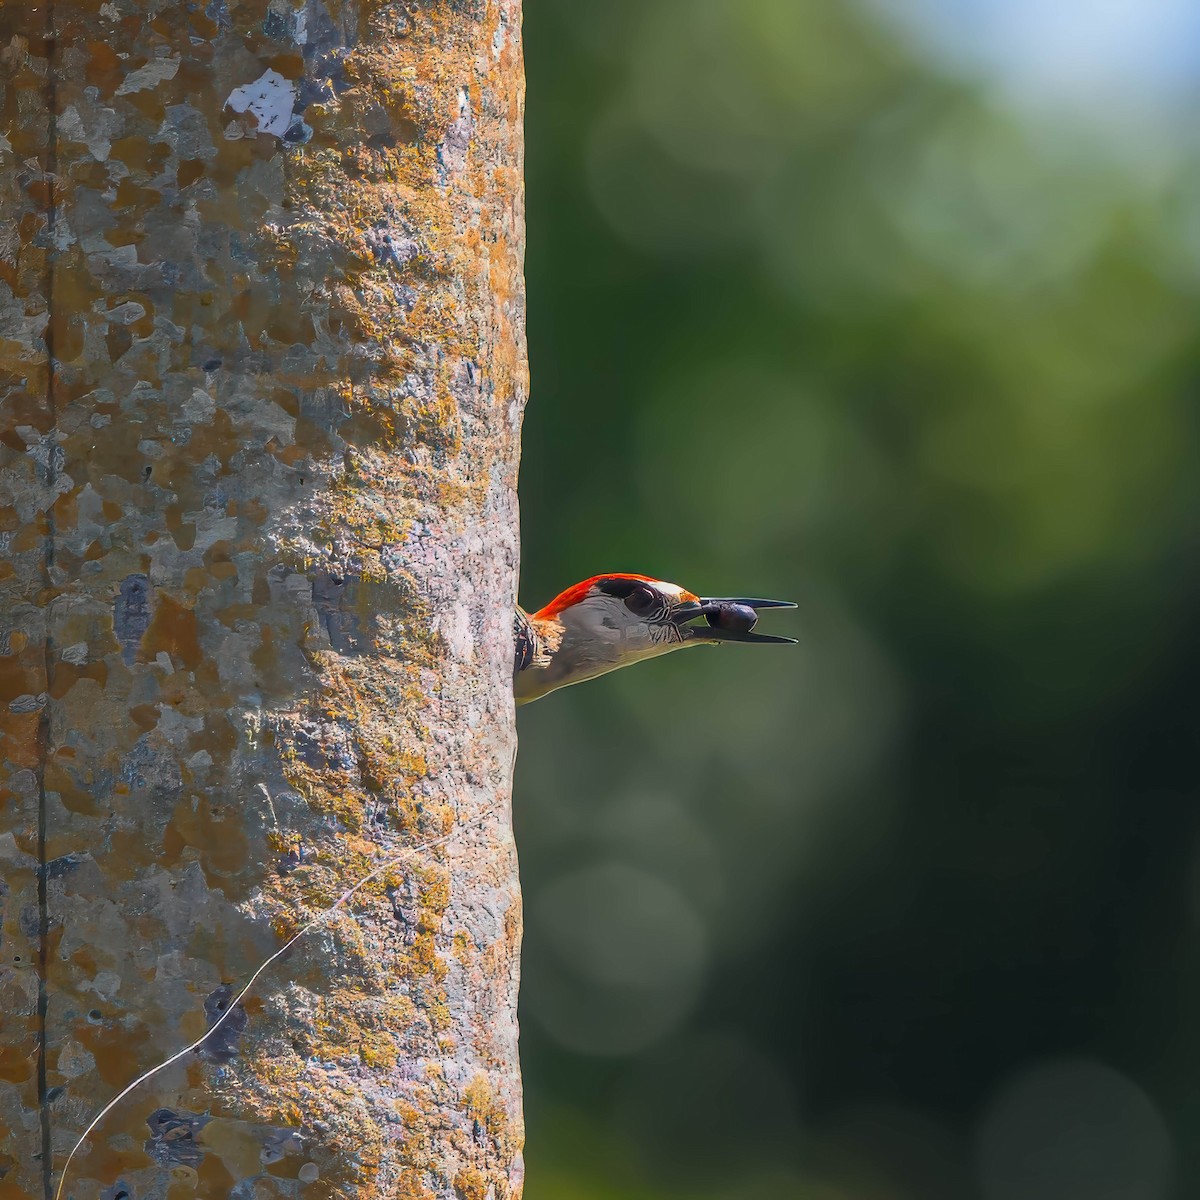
x: 610, y: 621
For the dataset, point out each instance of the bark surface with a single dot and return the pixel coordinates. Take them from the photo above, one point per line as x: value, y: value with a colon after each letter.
x: 262, y: 372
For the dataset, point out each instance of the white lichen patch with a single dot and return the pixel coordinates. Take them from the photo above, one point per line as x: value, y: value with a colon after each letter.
x: 270, y: 99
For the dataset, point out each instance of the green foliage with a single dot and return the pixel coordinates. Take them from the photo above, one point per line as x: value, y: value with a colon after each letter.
x: 808, y: 318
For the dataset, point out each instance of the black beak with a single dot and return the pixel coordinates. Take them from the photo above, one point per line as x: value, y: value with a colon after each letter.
x: 729, y: 619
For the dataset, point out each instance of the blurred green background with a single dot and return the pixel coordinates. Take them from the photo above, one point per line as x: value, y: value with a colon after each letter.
x: 892, y: 309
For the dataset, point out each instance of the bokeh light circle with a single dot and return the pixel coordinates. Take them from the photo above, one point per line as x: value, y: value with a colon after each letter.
x: 1072, y: 1129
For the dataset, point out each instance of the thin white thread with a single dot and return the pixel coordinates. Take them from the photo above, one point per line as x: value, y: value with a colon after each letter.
x: 311, y: 925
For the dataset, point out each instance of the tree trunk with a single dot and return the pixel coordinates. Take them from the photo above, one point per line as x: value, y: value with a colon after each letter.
x: 263, y: 368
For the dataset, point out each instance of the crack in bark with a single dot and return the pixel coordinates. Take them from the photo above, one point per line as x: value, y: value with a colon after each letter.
x: 49, y: 173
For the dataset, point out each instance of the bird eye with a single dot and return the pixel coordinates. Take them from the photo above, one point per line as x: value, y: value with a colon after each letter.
x: 642, y: 601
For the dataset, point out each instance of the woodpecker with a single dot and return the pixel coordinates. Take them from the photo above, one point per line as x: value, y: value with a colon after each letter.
x: 610, y: 621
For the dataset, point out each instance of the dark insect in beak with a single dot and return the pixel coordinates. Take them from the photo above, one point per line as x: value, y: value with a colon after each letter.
x: 729, y: 619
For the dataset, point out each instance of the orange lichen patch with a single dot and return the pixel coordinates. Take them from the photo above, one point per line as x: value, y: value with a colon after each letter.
x: 435, y: 890
x: 463, y: 947
x: 76, y: 791
x: 485, y: 1106
x: 188, y: 172
x: 21, y: 744
x: 144, y: 716
x: 66, y: 511
x: 470, y: 1184
x: 424, y: 954
x: 117, y: 342
x: 68, y: 337
x: 29, y: 536
x: 150, y: 105
x: 131, y: 851
x: 213, y: 1174
x: 102, y: 1161
x: 140, y: 153
x: 173, y: 631
x: 103, y: 69
x: 132, y: 195
x: 18, y: 1062
x: 219, y: 837
x: 20, y: 676
x: 234, y: 1146
x: 232, y: 159
x: 290, y: 66
x: 66, y: 675
x: 182, y: 1185
x: 218, y: 736
x: 114, y: 1050
x: 411, y: 1186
